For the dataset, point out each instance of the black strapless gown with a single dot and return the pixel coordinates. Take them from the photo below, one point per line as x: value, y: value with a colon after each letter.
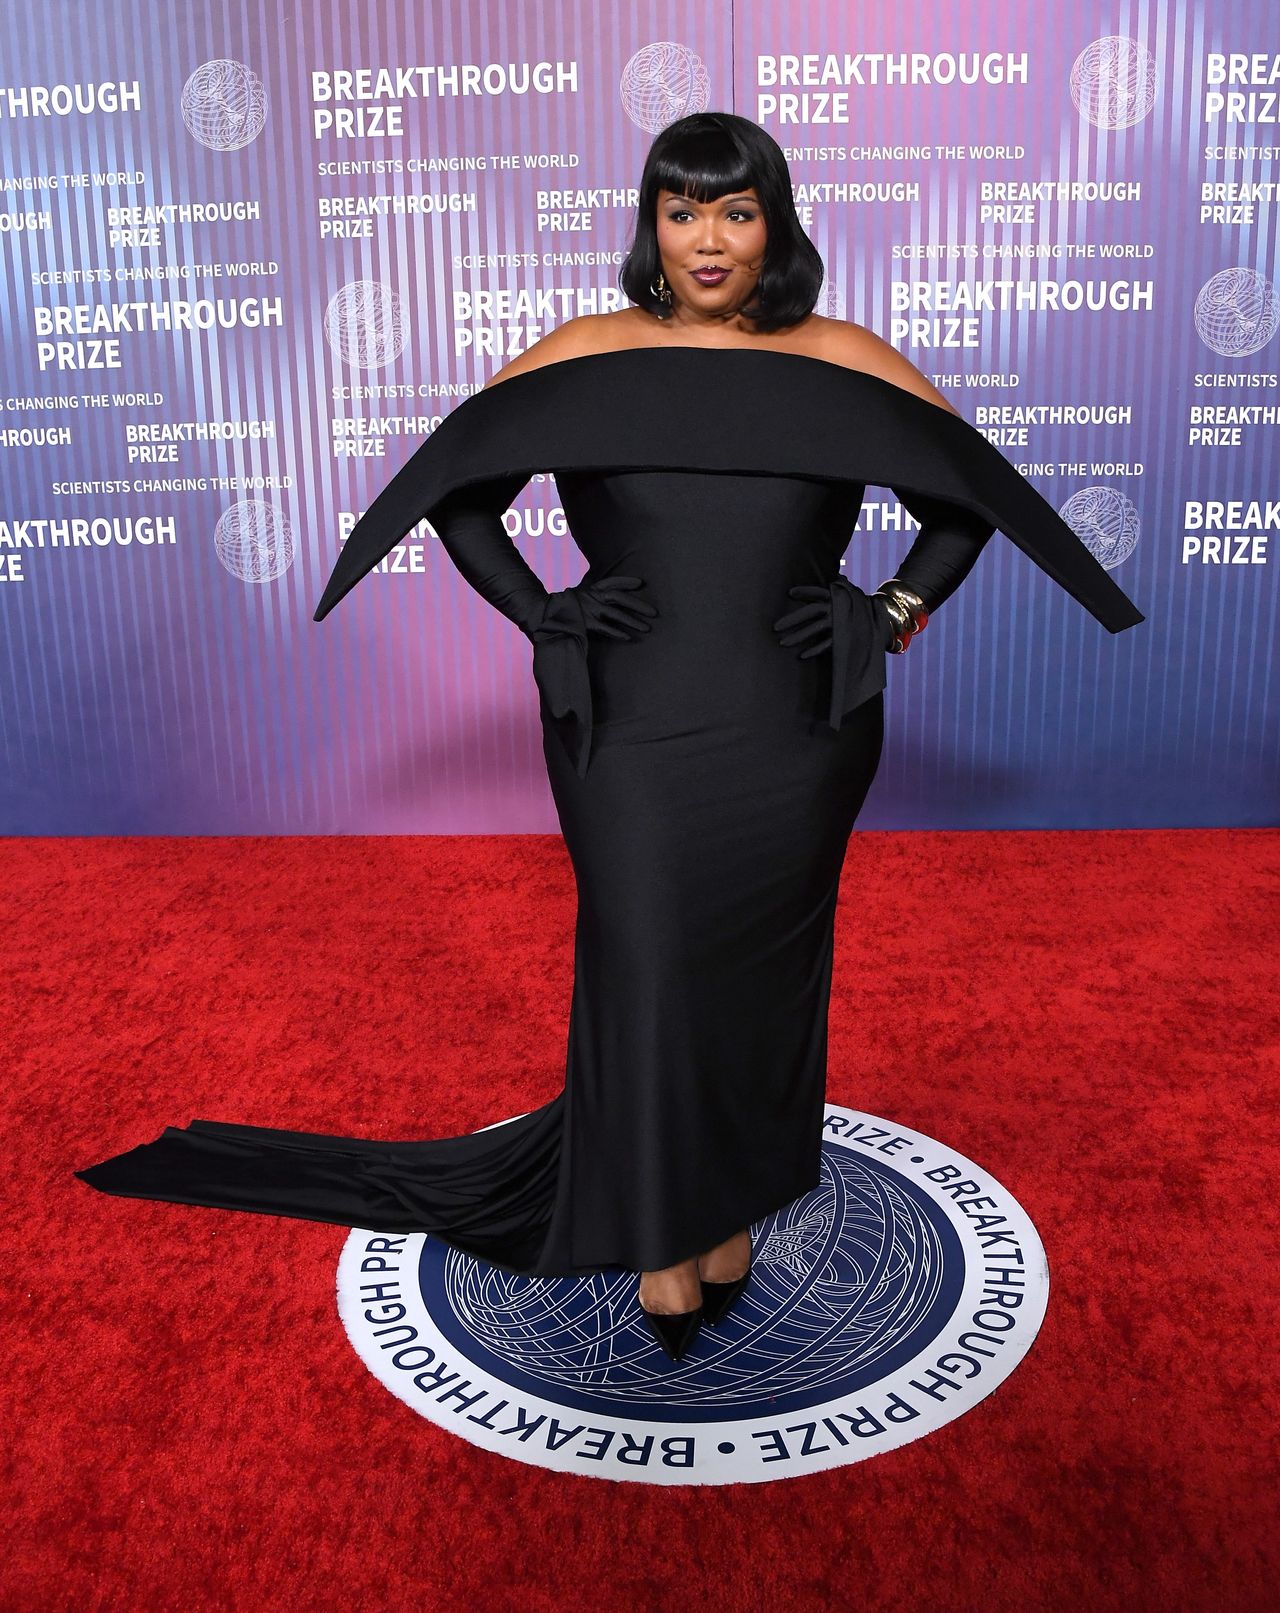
x: 707, y: 781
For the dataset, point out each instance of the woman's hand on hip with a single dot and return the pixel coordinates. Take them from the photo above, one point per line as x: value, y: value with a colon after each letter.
x: 808, y: 628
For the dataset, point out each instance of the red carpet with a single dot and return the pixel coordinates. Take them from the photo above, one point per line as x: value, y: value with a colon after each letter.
x: 1092, y: 1016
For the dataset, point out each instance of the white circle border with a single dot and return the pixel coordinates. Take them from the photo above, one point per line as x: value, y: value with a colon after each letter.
x: 764, y: 1449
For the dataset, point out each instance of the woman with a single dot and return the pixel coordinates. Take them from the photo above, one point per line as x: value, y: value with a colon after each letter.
x: 711, y: 696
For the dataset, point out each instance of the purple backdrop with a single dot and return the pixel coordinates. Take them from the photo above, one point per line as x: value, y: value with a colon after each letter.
x: 253, y: 254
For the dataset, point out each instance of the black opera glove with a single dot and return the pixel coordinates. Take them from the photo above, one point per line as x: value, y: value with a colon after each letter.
x: 559, y: 632
x: 471, y: 531
x: 946, y: 547
x: 856, y: 626
x: 838, y: 616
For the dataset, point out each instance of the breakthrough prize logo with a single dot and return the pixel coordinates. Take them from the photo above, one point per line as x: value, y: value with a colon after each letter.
x: 887, y: 1302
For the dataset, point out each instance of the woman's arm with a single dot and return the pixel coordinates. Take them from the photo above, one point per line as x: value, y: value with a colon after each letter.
x: 950, y: 538
x: 945, y: 550
x: 472, y: 534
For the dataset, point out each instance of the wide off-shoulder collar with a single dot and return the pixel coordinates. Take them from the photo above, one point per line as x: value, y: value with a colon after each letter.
x: 736, y: 410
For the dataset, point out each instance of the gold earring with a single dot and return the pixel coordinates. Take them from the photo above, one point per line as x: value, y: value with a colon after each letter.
x: 661, y: 290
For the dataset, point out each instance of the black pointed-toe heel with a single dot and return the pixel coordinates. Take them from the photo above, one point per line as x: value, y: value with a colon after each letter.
x: 675, y: 1331
x: 718, y: 1297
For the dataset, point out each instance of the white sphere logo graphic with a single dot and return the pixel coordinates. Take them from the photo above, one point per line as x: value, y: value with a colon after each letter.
x: 1105, y: 521
x: 364, y: 324
x: 254, y: 541
x: 839, y: 1275
x: 224, y: 105
x: 1113, y: 82
x: 663, y: 82
x: 1236, y: 313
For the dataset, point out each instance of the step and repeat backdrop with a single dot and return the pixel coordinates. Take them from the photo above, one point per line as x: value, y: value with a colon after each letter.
x: 253, y: 255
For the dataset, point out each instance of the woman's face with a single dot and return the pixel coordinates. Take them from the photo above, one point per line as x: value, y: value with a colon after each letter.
x: 728, y: 233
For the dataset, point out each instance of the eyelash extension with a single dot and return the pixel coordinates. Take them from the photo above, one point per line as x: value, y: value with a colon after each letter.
x: 742, y: 213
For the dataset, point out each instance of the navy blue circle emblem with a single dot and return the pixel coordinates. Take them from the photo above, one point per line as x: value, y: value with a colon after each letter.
x: 886, y: 1302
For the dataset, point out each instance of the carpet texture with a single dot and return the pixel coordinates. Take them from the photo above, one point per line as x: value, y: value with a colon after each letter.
x: 1092, y: 1016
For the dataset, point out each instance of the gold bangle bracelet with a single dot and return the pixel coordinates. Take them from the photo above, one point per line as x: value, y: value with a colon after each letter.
x: 907, y: 598
x: 907, y: 609
x: 901, y: 624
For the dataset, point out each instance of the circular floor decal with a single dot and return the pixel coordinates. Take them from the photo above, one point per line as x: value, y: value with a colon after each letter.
x: 887, y: 1302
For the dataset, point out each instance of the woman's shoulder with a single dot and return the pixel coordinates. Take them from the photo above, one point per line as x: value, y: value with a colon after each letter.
x: 575, y: 338
x: 840, y: 341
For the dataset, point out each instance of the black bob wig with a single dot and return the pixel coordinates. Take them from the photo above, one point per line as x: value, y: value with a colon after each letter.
x: 710, y: 154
